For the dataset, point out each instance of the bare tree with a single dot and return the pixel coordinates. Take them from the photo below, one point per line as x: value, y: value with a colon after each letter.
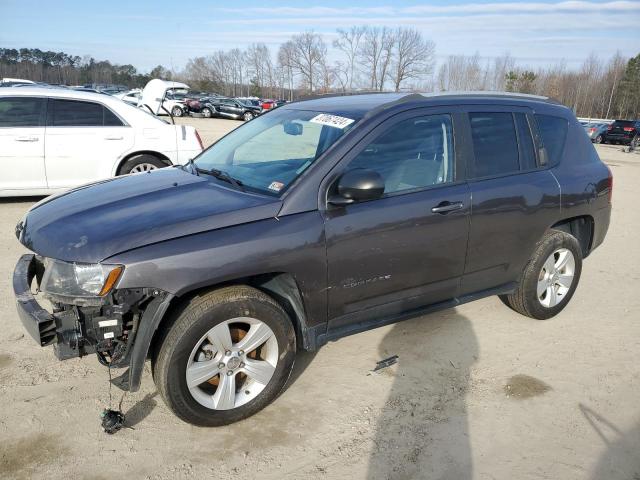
x: 285, y: 61
x: 375, y: 55
x: 461, y: 72
x: 414, y: 56
x: 348, y: 42
x: 309, y: 51
x: 342, y: 73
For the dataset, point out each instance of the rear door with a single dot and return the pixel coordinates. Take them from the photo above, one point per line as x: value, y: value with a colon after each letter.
x: 514, y: 197
x: 84, y: 141
x: 22, y: 138
x: 391, y: 255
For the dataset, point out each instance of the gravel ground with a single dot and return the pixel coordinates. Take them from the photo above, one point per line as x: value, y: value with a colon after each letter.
x: 479, y: 392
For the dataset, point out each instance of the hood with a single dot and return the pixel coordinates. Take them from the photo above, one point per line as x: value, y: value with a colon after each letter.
x: 92, y: 223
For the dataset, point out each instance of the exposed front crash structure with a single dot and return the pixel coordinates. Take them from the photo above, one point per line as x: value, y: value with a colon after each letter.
x: 119, y: 330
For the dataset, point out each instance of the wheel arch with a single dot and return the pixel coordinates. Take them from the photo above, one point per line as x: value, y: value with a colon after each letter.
x: 582, y: 228
x: 280, y: 286
x: 158, y: 155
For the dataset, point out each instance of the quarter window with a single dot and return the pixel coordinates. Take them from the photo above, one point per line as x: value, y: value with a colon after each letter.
x: 72, y: 113
x: 553, y: 131
x: 21, y: 112
x: 494, y: 143
x: 414, y: 153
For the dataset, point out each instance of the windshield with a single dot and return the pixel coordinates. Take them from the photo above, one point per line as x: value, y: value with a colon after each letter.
x: 268, y: 153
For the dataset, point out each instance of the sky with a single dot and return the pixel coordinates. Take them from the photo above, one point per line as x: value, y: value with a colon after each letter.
x: 148, y: 33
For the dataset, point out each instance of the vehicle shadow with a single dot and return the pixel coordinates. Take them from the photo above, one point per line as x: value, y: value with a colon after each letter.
x: 21, y: 199
x: 303, y: 360
x: 141, y: 409
x: 423, y: 430
x: 621, y: 459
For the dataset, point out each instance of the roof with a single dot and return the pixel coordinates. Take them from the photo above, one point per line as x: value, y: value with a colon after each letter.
x: 60, y: 92
x: 359, y: 105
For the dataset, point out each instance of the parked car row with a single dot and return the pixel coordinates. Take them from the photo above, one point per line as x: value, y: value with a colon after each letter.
x: 626, y: 132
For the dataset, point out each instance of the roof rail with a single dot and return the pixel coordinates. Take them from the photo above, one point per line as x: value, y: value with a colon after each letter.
x: 488, y: 93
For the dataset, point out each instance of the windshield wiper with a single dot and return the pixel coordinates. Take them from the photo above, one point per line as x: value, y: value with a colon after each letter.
x: 222, y: 175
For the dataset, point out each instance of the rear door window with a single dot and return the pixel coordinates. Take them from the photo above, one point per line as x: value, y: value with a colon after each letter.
x: 72, y: 113
x: 494, y: 143
x: 553, y: 131
x: 22, y: 112
x: 527, y: 151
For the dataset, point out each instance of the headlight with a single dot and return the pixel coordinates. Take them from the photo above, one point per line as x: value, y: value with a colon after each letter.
x: 78, y: 283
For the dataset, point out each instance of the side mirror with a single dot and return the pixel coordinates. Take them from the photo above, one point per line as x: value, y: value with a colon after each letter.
x: 292, y: 128
x: 358, y: 185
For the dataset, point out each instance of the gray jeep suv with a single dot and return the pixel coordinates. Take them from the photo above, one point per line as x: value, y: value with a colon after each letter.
x: 317, y: 220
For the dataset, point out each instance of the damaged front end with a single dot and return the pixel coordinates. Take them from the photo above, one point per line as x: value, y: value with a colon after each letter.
x: 78, y: 323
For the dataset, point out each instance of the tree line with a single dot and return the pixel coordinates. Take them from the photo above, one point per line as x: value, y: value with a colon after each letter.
x: 60, y: 68
x: 365, y: 58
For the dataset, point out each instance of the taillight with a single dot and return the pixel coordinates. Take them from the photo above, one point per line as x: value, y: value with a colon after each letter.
x: 628, y: 129
x: 199, y: 140
x: 592, y: 130
x: 610, y: 184
x: 610, y: 127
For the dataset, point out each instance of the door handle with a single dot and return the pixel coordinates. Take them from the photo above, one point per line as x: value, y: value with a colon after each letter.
x: 113, y: 138
x: 445, y: 207
x: 27, y: 139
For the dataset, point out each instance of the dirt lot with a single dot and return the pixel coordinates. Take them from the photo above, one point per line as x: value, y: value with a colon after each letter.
x: 479, y: 392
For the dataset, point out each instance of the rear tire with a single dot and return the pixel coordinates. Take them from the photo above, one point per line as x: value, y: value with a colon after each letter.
x: 247, y: 116
x: 599, y: 139
x: 208, y: 337
x: 177, y: 112
x: 549, y: 279
x: 141, y: 164
x: 206, y: 113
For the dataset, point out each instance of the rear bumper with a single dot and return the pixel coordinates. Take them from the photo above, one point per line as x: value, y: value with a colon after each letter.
x: 618, y: 137
x: 38, y: 322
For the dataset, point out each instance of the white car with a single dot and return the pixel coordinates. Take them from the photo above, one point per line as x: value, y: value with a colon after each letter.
x: 157, y: 97
x: 54, y: 139
x: 131, y: 96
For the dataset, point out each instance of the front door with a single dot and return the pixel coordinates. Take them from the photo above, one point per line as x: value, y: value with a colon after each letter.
x: 22, y: 143
x: 407, y: 249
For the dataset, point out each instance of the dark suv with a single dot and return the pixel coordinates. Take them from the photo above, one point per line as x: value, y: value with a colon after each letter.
x: 233, y: 108
x: 623, y: 131
x: 314, y: 221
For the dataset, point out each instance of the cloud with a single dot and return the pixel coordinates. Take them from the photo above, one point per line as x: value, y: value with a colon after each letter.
x: 466, y: 8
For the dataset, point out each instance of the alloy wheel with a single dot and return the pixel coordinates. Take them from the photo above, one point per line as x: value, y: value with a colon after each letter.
x: 232, y: 363
x: 143, y: 167
x: 556, y: 277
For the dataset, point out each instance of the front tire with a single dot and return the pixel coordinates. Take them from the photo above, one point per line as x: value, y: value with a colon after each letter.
x: 599, y: 139
x: 228, y: 355
x: 177, y: 112
x: 206, y: 112
x: 550, y: 277
x: 141, y: 164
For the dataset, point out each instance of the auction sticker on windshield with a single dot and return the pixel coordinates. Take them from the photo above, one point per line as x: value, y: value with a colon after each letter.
x: 332, y: 120
x: 276, y: 186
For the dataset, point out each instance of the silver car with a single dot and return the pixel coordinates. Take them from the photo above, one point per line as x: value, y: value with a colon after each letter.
x: 595, y: 131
